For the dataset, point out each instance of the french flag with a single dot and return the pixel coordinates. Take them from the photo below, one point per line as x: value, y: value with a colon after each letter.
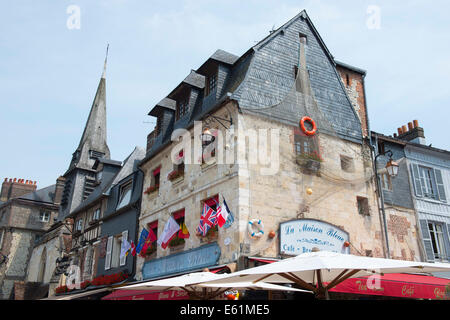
x: 222, y: 213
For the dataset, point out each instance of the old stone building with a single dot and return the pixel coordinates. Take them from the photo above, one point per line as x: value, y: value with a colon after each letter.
x: 278, y: 175
x: 26, y: 213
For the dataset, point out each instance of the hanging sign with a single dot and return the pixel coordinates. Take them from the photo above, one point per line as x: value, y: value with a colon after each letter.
x: 300, y: 236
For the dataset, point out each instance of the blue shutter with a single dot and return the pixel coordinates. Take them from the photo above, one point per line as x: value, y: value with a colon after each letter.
x: 440, y: 185
x: 426, y: 240
x: 416, y: 180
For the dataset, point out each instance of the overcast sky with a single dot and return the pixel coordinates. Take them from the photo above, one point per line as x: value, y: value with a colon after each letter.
x: 51, y: 63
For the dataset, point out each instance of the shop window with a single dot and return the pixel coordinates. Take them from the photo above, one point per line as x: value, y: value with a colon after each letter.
x: 363, y: 206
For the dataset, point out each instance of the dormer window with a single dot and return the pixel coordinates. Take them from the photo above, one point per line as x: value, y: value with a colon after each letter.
x: 182, y: 107
x: 158, y: 125
x: 211, y: 84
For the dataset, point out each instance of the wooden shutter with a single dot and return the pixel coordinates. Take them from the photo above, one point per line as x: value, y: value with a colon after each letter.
x: 426, y: 240
x: 440, y: 185
x: 416, y: 180
x: 123, y: 260
x: 109, y: 246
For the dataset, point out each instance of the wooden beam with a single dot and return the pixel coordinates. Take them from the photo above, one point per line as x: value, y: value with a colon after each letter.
x: 298, y: 281
x: 345, y: 277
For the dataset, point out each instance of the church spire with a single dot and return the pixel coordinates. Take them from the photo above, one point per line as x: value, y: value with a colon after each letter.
x: 93, y: 141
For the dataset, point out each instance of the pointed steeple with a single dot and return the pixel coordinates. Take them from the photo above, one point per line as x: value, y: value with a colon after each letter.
x: 93, y: 141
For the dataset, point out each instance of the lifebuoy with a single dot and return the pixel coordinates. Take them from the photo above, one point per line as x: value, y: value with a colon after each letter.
x: 258, y: 223
x: 302, y: 126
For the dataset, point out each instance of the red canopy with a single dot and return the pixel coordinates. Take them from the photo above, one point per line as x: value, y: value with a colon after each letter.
x: 396, y: 285
x: 147, y: 295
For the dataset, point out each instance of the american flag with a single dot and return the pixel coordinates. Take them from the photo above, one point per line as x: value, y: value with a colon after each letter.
x: 207, y: 220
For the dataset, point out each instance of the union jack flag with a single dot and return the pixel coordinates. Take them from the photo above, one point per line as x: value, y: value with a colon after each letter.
x: 207, y: 220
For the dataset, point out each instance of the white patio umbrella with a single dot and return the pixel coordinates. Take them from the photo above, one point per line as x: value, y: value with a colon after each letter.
x: 320, y: 271
x: 193, y: 284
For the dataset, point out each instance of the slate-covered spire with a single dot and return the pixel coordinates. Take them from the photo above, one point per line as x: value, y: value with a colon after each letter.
x: 93, y: 141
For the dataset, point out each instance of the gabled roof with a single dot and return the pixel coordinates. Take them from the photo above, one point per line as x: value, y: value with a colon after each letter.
x: 165, y: 103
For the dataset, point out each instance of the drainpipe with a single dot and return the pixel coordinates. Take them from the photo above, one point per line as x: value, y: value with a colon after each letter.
x: 381, y: 197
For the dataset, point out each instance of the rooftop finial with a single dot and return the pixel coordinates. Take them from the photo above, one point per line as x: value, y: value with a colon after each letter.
x: 106, y: 58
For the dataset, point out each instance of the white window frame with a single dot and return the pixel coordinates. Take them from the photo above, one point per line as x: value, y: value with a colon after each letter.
x: 108, y: 253
x: 43, y: 215
x: 438, y: 240
x: 123, y: 260
x: 96, y: 214
x: 125, y: 189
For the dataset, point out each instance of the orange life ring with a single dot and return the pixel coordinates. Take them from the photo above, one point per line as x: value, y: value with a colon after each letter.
x: 302, y: 126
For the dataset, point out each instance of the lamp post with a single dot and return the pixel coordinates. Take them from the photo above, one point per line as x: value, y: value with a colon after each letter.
x: 392, y: 170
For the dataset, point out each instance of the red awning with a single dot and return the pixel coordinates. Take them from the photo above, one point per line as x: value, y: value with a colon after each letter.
x: 147, y: 295
x: 396, y: 285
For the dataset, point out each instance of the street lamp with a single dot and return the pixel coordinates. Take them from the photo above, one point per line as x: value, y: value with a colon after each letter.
x: 392, y: 170
x: 392, y: 167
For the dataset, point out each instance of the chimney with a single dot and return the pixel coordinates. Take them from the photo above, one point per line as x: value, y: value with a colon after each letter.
x: 15, y: 188
x: 415, y: 134
x: 59, y: 188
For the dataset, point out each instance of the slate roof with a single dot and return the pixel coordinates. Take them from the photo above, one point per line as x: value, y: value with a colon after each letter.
x: 263, y: 76
x: 46, y: 194
x: 129, y: 165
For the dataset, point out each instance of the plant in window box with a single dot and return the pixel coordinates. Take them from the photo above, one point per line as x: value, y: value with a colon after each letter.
x: 61, y: 289
x: 174, y: 174
x: 150, y: 250
x: 211, y: 234
x: 310, y: 161
x: 176, y: 241
x: 151, y: 189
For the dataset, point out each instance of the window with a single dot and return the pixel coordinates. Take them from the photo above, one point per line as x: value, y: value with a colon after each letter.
x: 79, y: 225
x: 437, y: 240
x: 96, y: 214
x: 427, y: 179
x: 179, y: 218
x: 44, y: 216
x: 428, y: 182
x: 213, y: 203
x: 211, y: 84
x: 381, y: 149
x: 156, y: 177
x: 363, y: 206
x: 182, y: 107
x: 347, y: 164
x: 115, y: 254
x: 347, y: 79
x: 305, y: 145
x: 158, y: 125
x: 386, y: 183
x: 125, y: 195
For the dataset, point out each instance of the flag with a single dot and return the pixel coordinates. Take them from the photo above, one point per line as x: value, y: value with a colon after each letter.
x: 230, y: 218
x: 170, y: 230
x: 207, y: 219
x: 184, y: 232
x: 222, y: 215
x: 124, y: 248
x: 151, y: 237
x: 133, y: 248
x: 142, y: 238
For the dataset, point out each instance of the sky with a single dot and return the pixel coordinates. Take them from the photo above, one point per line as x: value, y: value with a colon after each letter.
x: 52, y: 54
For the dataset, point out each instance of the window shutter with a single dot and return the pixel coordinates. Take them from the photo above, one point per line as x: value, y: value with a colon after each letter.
x: 447, y: 241
x: 108, y: 253
x: 123, y: 260
x: 416, y: 180
x: 440, y: 185
x: 426, y: 240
